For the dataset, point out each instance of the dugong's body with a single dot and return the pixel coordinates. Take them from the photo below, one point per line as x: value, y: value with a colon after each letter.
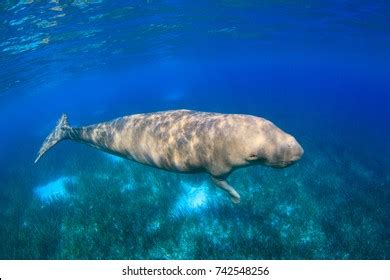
x: 187, y: 141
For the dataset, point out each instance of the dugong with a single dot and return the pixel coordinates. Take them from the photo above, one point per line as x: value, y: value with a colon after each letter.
x: 187, y: 141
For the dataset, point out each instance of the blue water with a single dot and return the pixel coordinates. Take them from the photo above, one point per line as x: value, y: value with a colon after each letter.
x: 317, y: 69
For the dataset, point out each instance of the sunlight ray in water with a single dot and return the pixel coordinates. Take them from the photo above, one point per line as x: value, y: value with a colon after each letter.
x: 54, y: 190
x: 193, y: 200
x: 114, y: 158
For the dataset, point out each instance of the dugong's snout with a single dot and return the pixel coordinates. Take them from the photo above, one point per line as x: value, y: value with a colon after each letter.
x: 297, y: 152
x: 288, y: 153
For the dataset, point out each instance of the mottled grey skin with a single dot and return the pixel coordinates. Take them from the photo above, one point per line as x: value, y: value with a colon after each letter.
x: 188, y: 141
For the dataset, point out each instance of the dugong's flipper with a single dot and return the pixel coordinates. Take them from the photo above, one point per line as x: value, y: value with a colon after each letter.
x: 223, y: 184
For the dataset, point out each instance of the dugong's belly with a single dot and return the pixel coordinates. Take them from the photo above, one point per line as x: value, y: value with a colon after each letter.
x: 175, y: 140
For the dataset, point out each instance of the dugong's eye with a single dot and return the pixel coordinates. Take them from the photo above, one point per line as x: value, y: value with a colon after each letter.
x: 252, y: 156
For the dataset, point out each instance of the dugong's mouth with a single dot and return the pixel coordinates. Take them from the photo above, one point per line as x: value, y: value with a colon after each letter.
x: 283, y: 164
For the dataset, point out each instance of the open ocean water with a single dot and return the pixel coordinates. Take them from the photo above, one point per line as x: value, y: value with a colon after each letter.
x: 318, y: 69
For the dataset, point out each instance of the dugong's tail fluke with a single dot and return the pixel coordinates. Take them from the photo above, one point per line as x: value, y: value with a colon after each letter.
x: 59, y: 133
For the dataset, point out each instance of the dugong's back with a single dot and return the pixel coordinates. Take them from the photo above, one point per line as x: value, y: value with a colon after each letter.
x: 181, y: 140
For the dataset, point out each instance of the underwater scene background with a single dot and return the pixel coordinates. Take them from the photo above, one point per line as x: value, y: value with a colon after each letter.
x: 317, y: 69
